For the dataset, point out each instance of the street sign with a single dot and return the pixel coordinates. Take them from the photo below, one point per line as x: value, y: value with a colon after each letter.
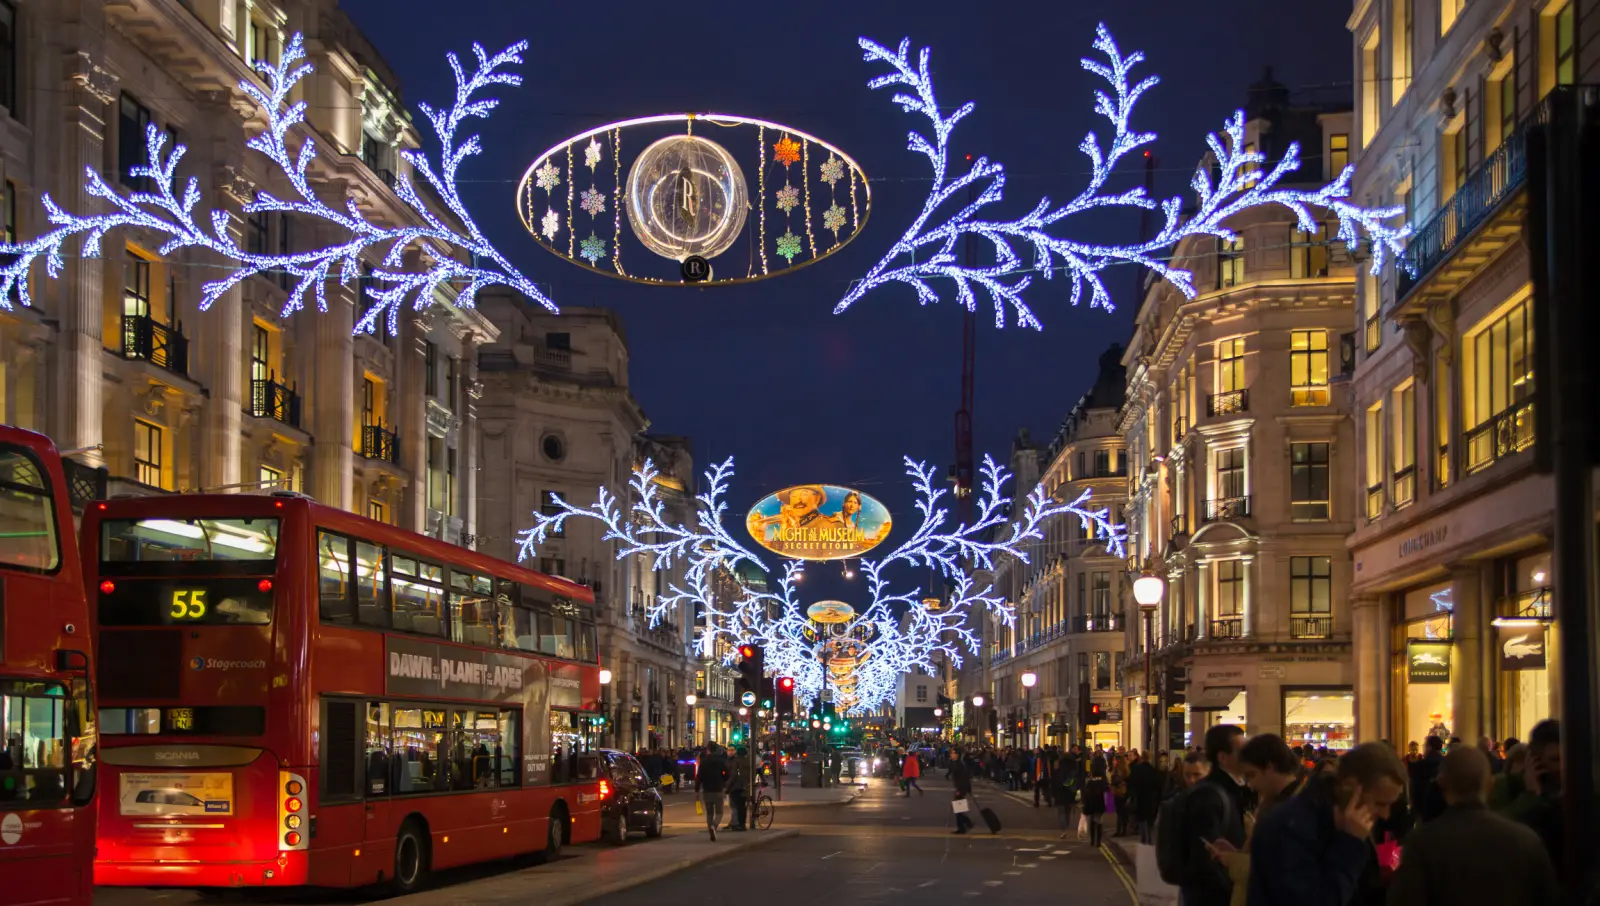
x: 1111, y: 716
x: 748, y: 699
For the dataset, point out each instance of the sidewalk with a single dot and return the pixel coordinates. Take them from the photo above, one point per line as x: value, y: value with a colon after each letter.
x: 590, y: 873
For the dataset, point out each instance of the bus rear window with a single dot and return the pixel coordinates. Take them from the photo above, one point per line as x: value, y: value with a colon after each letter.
x: 212, y: 720
x: 171, y: 546
x: 28, y: 529
x: 186, y: 602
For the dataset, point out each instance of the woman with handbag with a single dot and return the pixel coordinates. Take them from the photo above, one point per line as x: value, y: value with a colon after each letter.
x: 1095, y: 793
x: 1119, y: 793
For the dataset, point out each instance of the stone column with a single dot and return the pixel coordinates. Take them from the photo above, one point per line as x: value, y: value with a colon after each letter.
x: 1247, y: 607
x: 1468, y: 679
x: 221, y: 333
x: 78, y: 418
x: 1203, y: 601
x: 411, y: 418
x: 1369, y: 648
x: 467, y: 457
x: 330, y: 399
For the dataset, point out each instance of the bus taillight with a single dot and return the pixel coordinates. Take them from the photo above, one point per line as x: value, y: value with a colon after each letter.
x: 291, y: 811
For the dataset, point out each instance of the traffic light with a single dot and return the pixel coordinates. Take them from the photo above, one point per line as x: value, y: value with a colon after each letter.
x: 751, y: 668
x: 1094, y: 712
x: 768, y: 693
x: 785, y: 695
x: 1175, y: 686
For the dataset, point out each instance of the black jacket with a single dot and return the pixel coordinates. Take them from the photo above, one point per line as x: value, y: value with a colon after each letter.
x: 1144, y: 790
x: 1094, y: 796
x: 961, y: 778
x: 712, y: 775
x: 1471, y: 855
x: 1215, y: 809
x: 1299, y: 858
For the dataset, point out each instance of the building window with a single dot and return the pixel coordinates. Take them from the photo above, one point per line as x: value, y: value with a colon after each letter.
x: 147, y: 440
x: 372, y: 152
x: 133, y: 121
x: 1505, y: 94
x: 1083, y: 594
x: 1308, y: 367
x: 8, y: 210
x: 922, y: 693
x: 1104, y: 681
x: 260, y: 348
x: 258, y: 42
x: 136, y: 288
x: 435, y: 474
x: 1310, y: 584
x: 1455, y: 165
x: 1230, y: 473
x: 1566, y: 45
x: 1404, y: 449
x: 1449, y: 11
x: 255, y: 233
x: 452, y: 378
x: 377, y: 511
x: 1102, y: 595
x: 270, y: 479
x: 1229, y: 620
x: 1230, y: 262
x: 1308, y: 482
x: 548, y: 507
x: 285, y: 246
x: 1308, y: 254
x: 1371, y: 87
x: 8, y: 58
x: 1497, y: 387
x: 1230, y: 365
x: 369, y: 402
x: 430, y: 368
x: 554, y: 566
x: 1338, y: 154
x: 1374, y: 460
x: 450, y: 481
x: 1441, y: 417
x: 1401, y: 76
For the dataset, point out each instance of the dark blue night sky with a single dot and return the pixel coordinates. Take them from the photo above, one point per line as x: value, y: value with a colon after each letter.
x: 765, y: 372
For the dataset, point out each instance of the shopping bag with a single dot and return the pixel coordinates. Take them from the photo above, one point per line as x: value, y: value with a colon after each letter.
x: 699, y: 807
x: 960, y: 806
x: 666, y: 780
x: 1083, y: 827
x: 1388, y: 857
x: 1111, y: 803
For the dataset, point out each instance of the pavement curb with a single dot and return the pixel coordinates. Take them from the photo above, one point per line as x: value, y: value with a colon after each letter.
x: 767, y: 838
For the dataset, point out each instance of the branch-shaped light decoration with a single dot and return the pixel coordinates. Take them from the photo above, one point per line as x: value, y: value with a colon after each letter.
x: 163, y: 210
x: 928, y: 251
x: 898, y: 634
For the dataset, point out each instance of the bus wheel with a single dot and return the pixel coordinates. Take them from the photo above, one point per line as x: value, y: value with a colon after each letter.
x: 410, y: 859
x: 654, y: 829
x: 554, y: 834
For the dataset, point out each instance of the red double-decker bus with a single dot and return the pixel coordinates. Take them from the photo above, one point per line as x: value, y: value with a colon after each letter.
x: 47, y: 735
x: 300, y: 696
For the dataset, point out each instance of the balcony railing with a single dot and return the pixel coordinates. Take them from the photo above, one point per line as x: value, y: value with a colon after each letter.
x: 156, y: 343
x: 1309, y: 395
x: 1488, y: 186
x: 1441, y: 474
x: 1180, y: 524
x: 1228, y: 628
x: 379, y: 443
x: 1310, y: 626
x: 1179, y: 427
x: 1097, y: 622
x: 1374, y: 333
x: 1534, y: 604
x: 1227, y: 508
x: 270, y: 399
x: 1507, y: 432
x: 1405, y: 486
x: 84, y: 483
x: 1228, y: 403
x: 387, y: 175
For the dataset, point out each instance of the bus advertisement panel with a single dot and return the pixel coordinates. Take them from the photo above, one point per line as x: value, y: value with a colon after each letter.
x: 47, y: 730
x: 304, y: 697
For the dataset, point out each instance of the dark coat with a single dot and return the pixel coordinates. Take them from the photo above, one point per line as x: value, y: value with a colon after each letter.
x: 1209, y: 814
x: 961, y: 778
x: 1299, y: 858
x: 712, y: 775
x: 1144, y: 790
x: 1094, y: 796
x: 1471, y: 855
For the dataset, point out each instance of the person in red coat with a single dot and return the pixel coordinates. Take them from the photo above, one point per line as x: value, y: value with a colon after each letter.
x: 909, y: 773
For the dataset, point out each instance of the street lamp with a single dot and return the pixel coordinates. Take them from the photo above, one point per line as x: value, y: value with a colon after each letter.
x: 1029, y: 679
x: 1147, y: 591
x: 605, y: 677
x: 977, y: 704
x: 689, y: 700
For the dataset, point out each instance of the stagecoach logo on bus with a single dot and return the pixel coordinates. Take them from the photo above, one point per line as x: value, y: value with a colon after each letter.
x: 429, y: 668
x: 217, y: 663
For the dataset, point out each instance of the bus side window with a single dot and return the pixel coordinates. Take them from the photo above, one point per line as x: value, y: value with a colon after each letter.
x: 333, y: 584
x: 382, y: 775
x: 372, y: 587
x: 525, y: 625
x: 340, y: 750
x: 509, y: 755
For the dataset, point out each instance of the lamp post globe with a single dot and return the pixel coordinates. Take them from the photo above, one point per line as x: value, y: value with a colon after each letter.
x: 605, y: 677
x: 977, y: 701
x: 1029, y: 679
x: 690, y: 699
x: 1148, y: 589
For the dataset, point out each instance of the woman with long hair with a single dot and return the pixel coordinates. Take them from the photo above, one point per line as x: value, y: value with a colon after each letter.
x: 1094, y: 799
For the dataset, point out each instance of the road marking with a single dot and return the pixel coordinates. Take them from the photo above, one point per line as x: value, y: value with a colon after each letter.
x: 992, y: 883
x: 1033, y: 849
x: 1062, y: 852
x: 1122, y: 875
x: 1047, y: 858
x: 831, y: 855
x: 1014, y: 874
x: 927, y: 883
x: 1030, y: 865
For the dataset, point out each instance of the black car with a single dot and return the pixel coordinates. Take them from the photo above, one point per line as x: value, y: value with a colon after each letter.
x: 630, y: 802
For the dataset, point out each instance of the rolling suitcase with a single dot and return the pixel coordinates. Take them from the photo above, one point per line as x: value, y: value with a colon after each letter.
x: 991, y: 819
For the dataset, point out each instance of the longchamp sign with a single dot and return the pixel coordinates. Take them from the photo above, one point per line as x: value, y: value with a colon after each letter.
x: 818, y: 522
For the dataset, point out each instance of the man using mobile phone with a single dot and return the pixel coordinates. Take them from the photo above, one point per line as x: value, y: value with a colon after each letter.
x: 1316, y: 848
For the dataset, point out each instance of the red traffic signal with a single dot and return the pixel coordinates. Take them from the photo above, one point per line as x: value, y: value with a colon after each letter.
x: 1094, y: 710
x: 786, y: 683
x: 747, y: 651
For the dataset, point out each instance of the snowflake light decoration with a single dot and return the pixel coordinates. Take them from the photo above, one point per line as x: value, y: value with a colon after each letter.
x: 899, y: 635
x: 787, y: 198
x: 833, y: 218
x: 831, y: 171
x: 593, y: 201
x: 786, y: 151
x: 592, y: 248
x: 166, y: 211
x: 789, y: 245
x: 591, y: 154
x: 929, y: 250
x: 548, y: 176
x: 550, y: 223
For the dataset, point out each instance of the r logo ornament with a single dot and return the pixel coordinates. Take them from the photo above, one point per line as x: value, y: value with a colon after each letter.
x: 695, y: 269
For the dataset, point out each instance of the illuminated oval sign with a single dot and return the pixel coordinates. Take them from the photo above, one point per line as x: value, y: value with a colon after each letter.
x: 745, y: 199
x: 831, y: 612
x: 818, y: 522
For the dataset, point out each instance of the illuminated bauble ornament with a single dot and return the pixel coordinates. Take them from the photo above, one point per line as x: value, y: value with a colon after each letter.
x: 686, y: 196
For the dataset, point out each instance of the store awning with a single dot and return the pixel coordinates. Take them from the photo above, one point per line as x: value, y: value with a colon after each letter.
x: 1214, y: 698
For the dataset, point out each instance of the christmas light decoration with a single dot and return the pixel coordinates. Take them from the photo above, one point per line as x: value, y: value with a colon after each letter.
x: 166, y: 211
x: 891, y: 635
x: 929, y: 250
x: 786, y: 151
x: 591, y: 154
x: 833, y: 219
x: 593, y: 201
x: 551, y: 224
x: 788, y: 245
x: 831, y: 171
x: 548, y: 176
x: 787, y: 198
x: 592, y: 248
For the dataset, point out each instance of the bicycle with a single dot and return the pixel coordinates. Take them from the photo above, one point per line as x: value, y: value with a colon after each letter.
x: 765, y: 811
